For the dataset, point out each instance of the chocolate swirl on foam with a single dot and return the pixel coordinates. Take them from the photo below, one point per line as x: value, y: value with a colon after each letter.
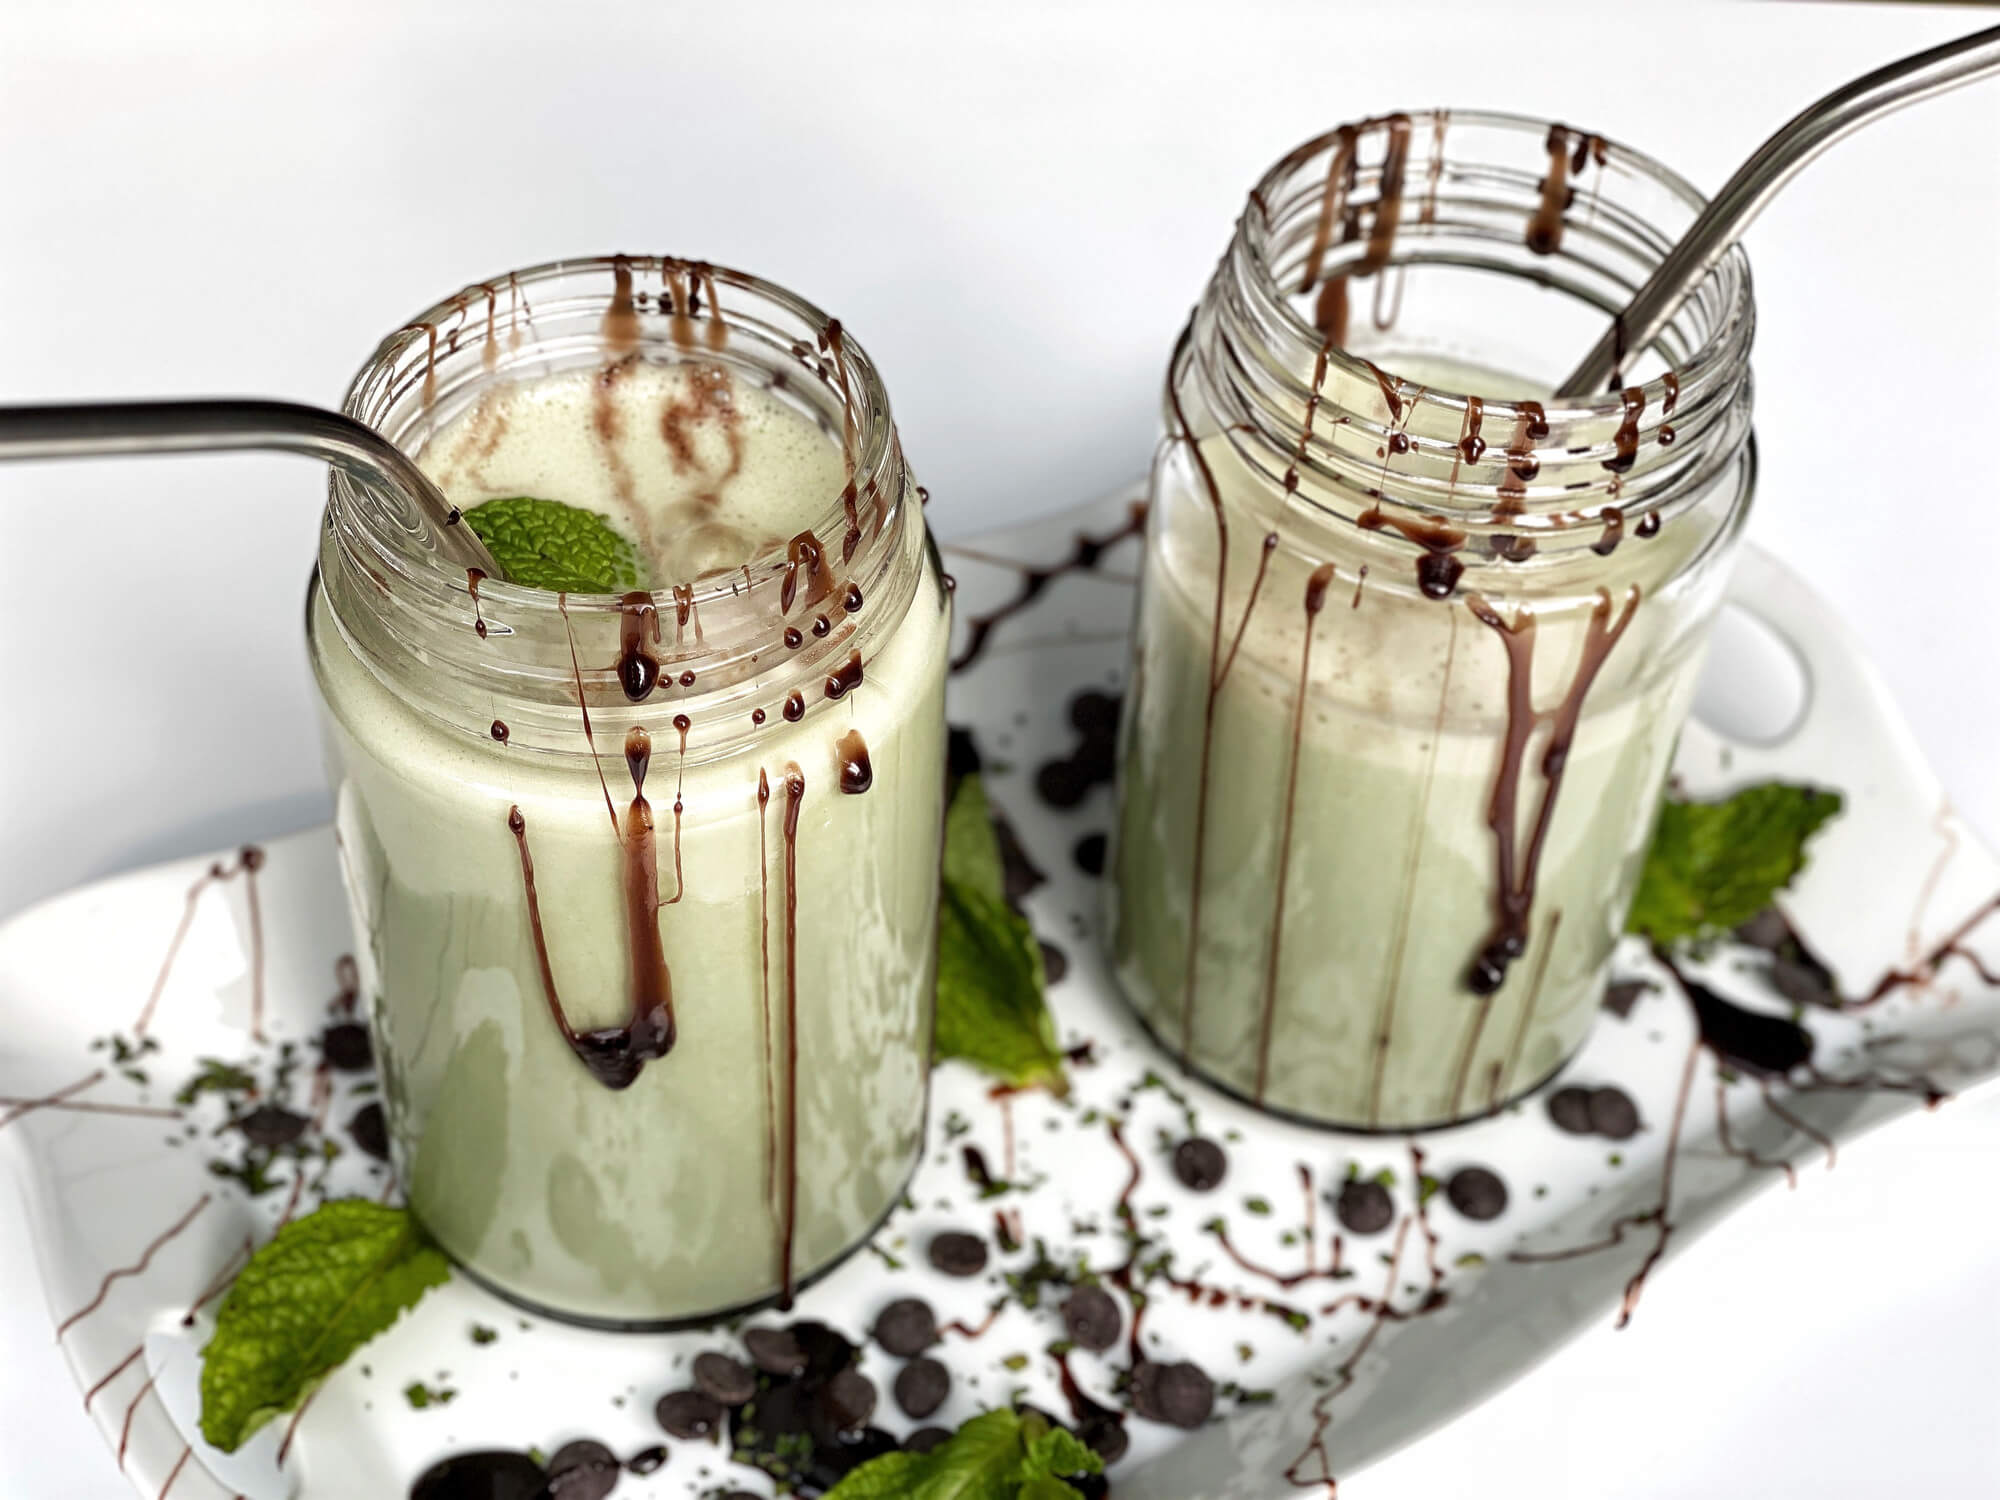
x: 714, y: 643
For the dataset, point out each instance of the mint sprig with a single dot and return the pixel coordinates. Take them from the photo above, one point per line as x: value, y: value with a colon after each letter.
x: 999, y: 1455
x: 325, y: 1285
x: 1715, y: 865
x: 545, y: 544
x: 992, y: 1009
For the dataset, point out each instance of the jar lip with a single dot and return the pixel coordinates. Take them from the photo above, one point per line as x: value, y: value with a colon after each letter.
x: 818, y: 343
x: 1731, y: 274
x: 1372, y: 199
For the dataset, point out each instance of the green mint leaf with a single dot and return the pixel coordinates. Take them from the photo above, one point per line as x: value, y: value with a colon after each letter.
x: 544, y: 544
x: 325, y: 1285
x: 971, y: 846
x: 999, y: 1455
x: 991, y: 1010
x: 990, y: 1006
x: 1057, y: 1453
x: 1715, y: 865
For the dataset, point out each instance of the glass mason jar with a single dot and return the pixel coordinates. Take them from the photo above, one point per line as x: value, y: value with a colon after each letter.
x: 644, y: 885
x: 1415, y: 639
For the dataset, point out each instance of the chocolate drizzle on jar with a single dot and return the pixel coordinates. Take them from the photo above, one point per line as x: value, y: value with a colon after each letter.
x: 1317, y: 584
x: 1516, y: 870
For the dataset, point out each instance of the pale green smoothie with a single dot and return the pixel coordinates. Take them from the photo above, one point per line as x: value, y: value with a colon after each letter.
x: 790, y: 878
x: 1302, y: 915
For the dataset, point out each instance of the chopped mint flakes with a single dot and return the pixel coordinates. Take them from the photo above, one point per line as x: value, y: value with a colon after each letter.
x: 545, y: 544
x: 1715, y: 865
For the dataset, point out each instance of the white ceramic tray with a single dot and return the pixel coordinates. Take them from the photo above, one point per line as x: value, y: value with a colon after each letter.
x: 136, y: 1235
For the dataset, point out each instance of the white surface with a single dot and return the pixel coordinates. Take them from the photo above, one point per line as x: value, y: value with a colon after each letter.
x: 1013, y: 208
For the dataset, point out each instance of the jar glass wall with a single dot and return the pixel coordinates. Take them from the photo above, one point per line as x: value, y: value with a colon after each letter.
x: 1413, y: 646
x: 644, y: 886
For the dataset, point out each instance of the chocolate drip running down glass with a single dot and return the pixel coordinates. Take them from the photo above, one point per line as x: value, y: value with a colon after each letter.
x: 1414, y: 640
x: 644, y: 885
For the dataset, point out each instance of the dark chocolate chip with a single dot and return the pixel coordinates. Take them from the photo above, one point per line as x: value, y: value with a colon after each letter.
x: 906, y: 1326
x: 1063, y: 783
x: 1619, y: 998
x: 583, y: 1470
x: 1091, y: 1318
x: 1200, y: 1164
x: 1569, y: 1108
x: 775, y: 1351
x: 832, y: 1462
x: 1055, y: 963
x: 1364, y: 1207
x: 1767, y: 930
x: 721, y: 1378
x: 1105, y: 1436
x: 1180, y: 1395
x: 848, y: 1400
x: 1477, y: 1193
x: 957, y: 1253
x: 1094, y: 713
x: 488, y: 1475
x: 827, y: 1353
x: 272, y: 1125
x: 1613, y: 1114
x: 647, y: 1460
x: 921, y: 1386
x: 1804, y: 983
x: 346, y: 1047
x: 1089, y: 853
x: 924, y: 1439
x: 689, y: 1414
x: 370, y: 1131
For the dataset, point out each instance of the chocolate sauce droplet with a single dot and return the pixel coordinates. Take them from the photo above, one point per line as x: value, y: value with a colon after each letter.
x: 921, y: 1387
x: 822, y: 626
x: 794, y: 637
x: 1477, y: 1193
x: 847, y: 679
x: 957, y: 1253
x: 1438, y: 574
x: 1648, y: 527
x: 499, y: 731
x: 1092, y: 1319
x: 795, y: 707
x: 1200, y: 1164
x: 1364, y: 1207
x: 851, y: 602
x: 857, y: 773
x: 756, y: 716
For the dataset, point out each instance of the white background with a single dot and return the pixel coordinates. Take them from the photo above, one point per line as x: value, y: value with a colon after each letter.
x: 1012, y: 207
